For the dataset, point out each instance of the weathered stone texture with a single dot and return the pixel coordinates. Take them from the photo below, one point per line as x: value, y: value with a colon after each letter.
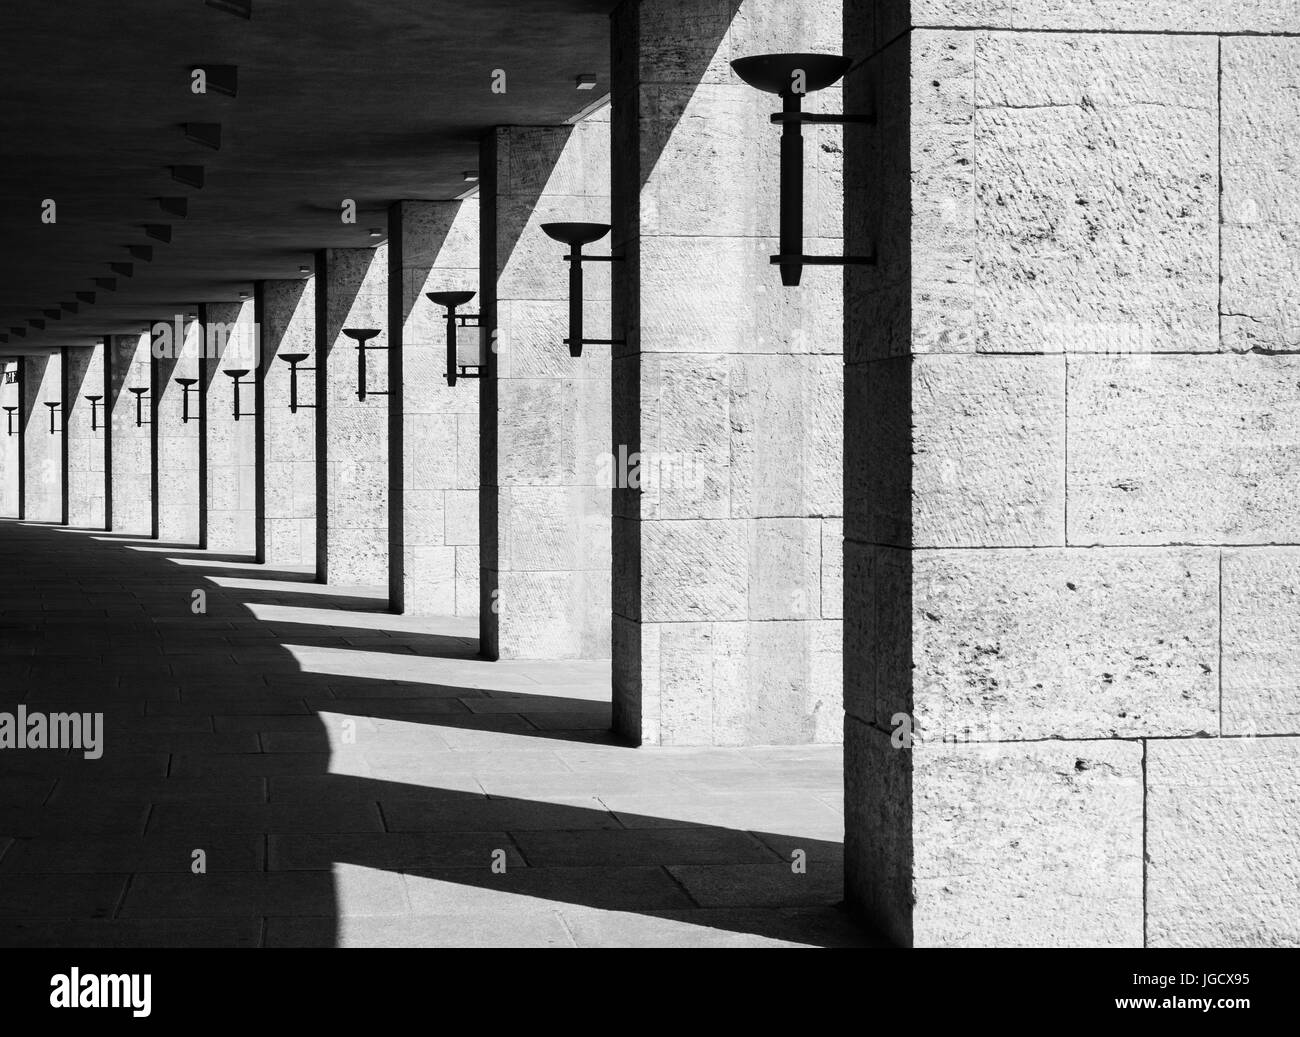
x: 1181, y: 449
x: 230, y: 445
x: 1222, y: 844
x: 1261, y: 194
x: 43, y: 452
x: 288, y: 325
x: 177, y: 440
x: 10, y: 455
x: 1096, y: 195
x: 893, y: 16
x: 1261, y: 641
x: 1012, y: 645
x: 85, y: 474
x: 132, y: 502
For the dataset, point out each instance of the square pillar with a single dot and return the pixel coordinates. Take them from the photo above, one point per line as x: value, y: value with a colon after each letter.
x: 42, y: 383
x: 351, y: 433
x: 85, y: 433
x: 433, y: 437
x: 11, y: 446
x: 728, y: 395
x: 130, y: 437
x: 286, y: 318
x: 177, y: 353
x: 229, y: 446
x: 545, y: 495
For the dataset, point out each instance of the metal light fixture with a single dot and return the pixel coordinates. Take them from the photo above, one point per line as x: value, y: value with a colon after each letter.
x: 452, y: 300
x: 9, y: 413
x: 236, y: 376
x: 187, y: 387
x: 575, y: 235
x: 54, y: 406
x: 94, y: 412
x: 791, y: 76
x: 293, y: 360
x: 361, y: 336
x: 11, y: 377
x: 139, y: 405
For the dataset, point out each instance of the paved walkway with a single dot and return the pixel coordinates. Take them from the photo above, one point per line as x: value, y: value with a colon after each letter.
x: 351, y: 776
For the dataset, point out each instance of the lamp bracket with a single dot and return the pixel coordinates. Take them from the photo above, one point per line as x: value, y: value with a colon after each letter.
x: 823, y: 120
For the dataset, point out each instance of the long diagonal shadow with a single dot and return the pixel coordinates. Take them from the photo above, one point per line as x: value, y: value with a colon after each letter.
x: 334, y: 807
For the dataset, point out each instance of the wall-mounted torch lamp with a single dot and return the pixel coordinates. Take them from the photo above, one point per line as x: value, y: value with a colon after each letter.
x: 237, y: 375
x: 791, y: 76
x: 9, y: 413
x: 575, y: 235
x: 451, y: 300
x: 94, y: 412
x: 11, y: 377
x: 54, y: 406
x: 187, y: 386
x: 362, y: 336
x: 139, y: 406
x: 293, y: 360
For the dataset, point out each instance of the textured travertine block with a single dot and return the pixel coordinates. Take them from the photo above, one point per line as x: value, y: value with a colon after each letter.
x: 1261, y: 195
x: 747, y: 683
x: 1019, y: 844
x: 832, y: 568
x: 700, y: 570
x: 1184, y: 449
x: 988, y: 468
x: 1093, y: 15
x: 10, y: 455
x: 1261, y: 641
x: 1096, y: 199
x: 787, y: 435
x: 1222, y: 818
x: 1062, y: 644
x: 785, y: 572
x: 560, y: 528
x: 1032, y: 845
x: 553, y: 615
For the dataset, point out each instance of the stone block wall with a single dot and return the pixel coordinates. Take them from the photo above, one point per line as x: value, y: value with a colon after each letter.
x: 83, y: 374
x: 545, y: 505
x: 130, y: 493
x: 11, y: 461
x: 287, y: 320
x: 229, y: 446
x: 42, y: 451
x: 176, y: 441
x: 1071, y: 461
x: 727, y: 554
x: 434, y: 487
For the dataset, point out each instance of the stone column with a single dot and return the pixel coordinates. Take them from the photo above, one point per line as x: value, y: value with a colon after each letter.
x: 130, y: 455
x: 42, y: 451
x: 433, y: 431
x: 544, y: 506
x: 11, y: 462
x: 728, y: 395
x: 85, y: 432
x: 1070, y: 467
x: 177, y: 353
x: 287, y: 319
x: 351, y: 434
x: 229, y: 446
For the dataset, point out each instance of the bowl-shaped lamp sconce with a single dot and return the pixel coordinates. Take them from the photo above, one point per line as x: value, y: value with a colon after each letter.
x: 294, y: 360
x: 187, y: 387
x: 361, y: 336
x: 94, y: 412
x: 237, y: 375
x: 451, y: 301
x: 54, y: 406
x: 575, y: 235
x: 9, y: 413
x: 139, y: 393
x: 791, y: 76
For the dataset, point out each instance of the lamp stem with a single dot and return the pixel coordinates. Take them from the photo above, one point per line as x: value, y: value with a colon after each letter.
x: 451, y: 345
x: 575, y: 301
x: 791, y: 192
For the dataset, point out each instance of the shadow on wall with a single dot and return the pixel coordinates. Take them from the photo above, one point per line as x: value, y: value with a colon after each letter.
x: 102, y: 850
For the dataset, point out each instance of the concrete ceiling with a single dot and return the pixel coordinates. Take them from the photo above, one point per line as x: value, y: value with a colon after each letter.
x: 374, y: 100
